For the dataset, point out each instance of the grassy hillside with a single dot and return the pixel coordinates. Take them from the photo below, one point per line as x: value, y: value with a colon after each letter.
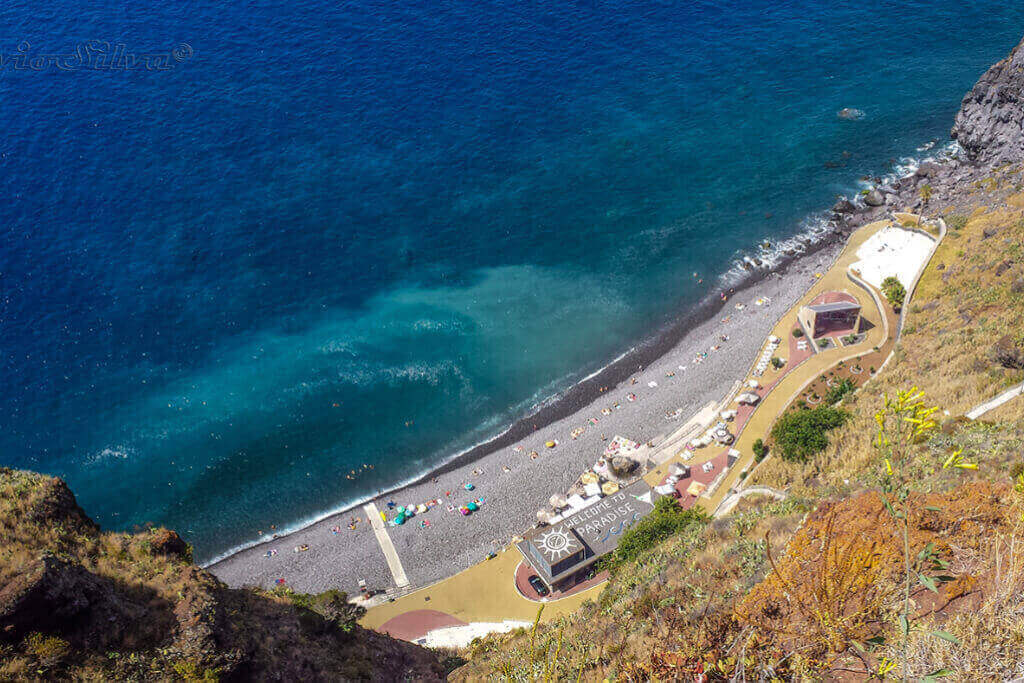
x: 817, y: 585
x: 76, y: 603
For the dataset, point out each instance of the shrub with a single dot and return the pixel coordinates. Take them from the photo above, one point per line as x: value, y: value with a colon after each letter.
x: 894, y: 291
x: 823, y: 343
x: 836, y: 393
x: 777, y: 362
x: 802, y: 434
x: 956, y: 222
x: 665, y: 520
x: 798, y: 333
x: 760, y: 450
x: 1016, y: 470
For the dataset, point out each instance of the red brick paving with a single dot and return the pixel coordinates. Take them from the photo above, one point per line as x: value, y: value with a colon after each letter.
x: 524, y: 571
x: 417, y: 623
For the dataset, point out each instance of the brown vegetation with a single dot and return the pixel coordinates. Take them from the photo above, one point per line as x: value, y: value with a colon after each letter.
x: 76, y: 603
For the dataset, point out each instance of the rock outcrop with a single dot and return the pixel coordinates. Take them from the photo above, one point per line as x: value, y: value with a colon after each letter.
x: 80, y: 604
x: 990, y: 123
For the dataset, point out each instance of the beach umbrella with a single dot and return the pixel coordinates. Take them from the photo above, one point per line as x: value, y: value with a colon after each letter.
x: 400, y: 520
x: 753, y: 384
x: 549, y: 444
x: 544, y: 516
x: 589, y: 478
x: 473, y: 507
x: 609, y: 487
x: 558, y: 501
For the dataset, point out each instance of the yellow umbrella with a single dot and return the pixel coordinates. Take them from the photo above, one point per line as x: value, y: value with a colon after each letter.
x: 549, y: 444
x: 589, y: 478
x: 609, y: 487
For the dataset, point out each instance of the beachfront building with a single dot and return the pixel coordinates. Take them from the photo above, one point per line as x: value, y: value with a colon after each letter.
x: 561, y: 552
x: 830, y: 314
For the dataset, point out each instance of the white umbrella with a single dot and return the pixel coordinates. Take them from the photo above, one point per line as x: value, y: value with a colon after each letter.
x: 558, y: 501
x: 544, y: 516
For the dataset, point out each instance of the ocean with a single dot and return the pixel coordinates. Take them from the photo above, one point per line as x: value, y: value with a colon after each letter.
x: 258, y: 262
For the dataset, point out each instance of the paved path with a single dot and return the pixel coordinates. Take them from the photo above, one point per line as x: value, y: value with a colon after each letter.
x: 729, y: 503
x: 413, y: 625
x: 979, y: 410
x: 386, y: 546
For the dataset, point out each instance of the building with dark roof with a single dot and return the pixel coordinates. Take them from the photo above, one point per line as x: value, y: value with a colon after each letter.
x: 560, y: 551
x: 831, y: 314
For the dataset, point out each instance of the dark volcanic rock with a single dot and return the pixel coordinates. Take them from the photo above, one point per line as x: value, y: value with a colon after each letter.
x: 990, y: 123
x: 844, y: 206
x: 167, y: 542
x: 928, y: 169
x: 48, y: 595
x: 1008, y: 354
x: 874, y: 198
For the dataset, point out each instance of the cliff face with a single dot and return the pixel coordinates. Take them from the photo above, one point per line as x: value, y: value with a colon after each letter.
x: 990, y: 123
x: 77, y: 603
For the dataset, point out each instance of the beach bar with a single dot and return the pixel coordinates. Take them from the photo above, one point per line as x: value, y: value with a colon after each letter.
x: 830, y: 314
x: 559, y: 553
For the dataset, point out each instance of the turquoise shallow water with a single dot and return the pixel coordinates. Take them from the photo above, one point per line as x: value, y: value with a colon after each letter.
x: 353, y: 233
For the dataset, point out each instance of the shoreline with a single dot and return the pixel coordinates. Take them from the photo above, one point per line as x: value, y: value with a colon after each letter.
x: 835, y: 227
x: 339, y: 560
x: 586, y: 390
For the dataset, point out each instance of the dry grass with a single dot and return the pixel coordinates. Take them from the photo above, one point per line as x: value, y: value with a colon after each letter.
x: 959, y: 311
x: 151, y: 614
x: 665, y: 615
x: 688, y: 604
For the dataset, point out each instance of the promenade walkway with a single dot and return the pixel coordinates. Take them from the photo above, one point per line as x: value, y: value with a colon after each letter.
x: 386, y: 546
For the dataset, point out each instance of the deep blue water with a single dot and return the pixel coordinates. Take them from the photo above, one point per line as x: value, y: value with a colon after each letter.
x: 225, y: 285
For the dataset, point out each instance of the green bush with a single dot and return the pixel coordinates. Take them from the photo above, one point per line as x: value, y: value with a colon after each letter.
x: 777, y: 362
x: 894, y: 291
x: 837, y: 392
x: 760, y: 450
x: 956, y: 222
x: 803, y: 433
x: 798, y: 333
x: 665, y: 520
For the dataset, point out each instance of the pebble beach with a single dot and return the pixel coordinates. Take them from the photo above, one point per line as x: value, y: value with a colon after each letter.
x: 698, y: 368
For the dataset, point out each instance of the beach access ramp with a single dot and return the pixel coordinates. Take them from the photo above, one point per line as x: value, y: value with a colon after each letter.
x: 386, y: 546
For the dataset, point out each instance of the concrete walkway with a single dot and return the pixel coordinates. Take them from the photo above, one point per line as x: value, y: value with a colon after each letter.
x: 979, y: 410
x: 386, y: 546
x: 729, y: 503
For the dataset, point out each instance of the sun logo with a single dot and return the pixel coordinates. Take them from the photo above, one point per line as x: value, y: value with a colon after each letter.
x: 556, y: 544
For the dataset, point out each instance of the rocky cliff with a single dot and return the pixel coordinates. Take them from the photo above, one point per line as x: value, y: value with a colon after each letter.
x: 990, y: 123
x: 77, y: 603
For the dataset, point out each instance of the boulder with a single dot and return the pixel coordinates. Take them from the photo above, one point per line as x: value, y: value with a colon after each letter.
x: 167, y: 542
x: 1008, y: 353
x: 844, y: 206
x: 874, y: 198
x: 928, y: 169
x: 623, y: 466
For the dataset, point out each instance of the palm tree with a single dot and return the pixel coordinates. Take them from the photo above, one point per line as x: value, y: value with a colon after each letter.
x: 926, y: 194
